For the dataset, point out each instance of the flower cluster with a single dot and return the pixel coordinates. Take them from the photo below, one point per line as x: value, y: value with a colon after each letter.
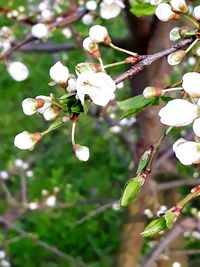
x: 92, y: 84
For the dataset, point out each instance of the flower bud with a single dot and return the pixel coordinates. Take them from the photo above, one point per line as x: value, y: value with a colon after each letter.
x: 151, y: 92
x: 132, y: 189
x: 26, y: 140
x: 46, y: 103
x: 91, y: 5
x: 18, y: 71
x: 174, y: 34
x: 176, y: 57
x: 82, y: 152
x: 191, y: 81
x: 39, y: 30
x: 179, y: 6
x: 110, y: 9
x: 30, y: 105
x: 196, y: 12
x: 154, y: 227
x: 91, y: 47
x: 164, y: 12
x: 59, y: 73
x: 99, y: 34
x: 51, y: 113
x: 88, y: 19
x: 178, y: 112
x: 71, y: 88
x: 187, y: 152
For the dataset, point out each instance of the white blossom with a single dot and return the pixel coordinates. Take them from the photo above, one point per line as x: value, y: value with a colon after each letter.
x: 196, y: 12
x: 2, y: 254
x: 176, y: 264
x: 82, y: 152
x: 91, y: 5
x: 33, y: 205
x: 18, y: 71
x: 164, y: 12
x: 179, y: 5
x: 88, y: 19
x: 19, y: 163
x: 59, y: 73
x: 92, y: 47
x: 26, y: 140
x: 46, y: 16
x: 71, y: 88
x: 111, y: 9
x: 51, y: 113
x: 67, y: 32
x: 99, y: 86
x: 196, y: 127
x: 188, y: 152
x: 178, y: 112
x: 98, y: 33
x: 39, y: 30
x: 155, y: 2
x: 191, y: 83
x: 5, y: 263
x: 51, y: 201
x: 4, y: 175
x: 29, y: 173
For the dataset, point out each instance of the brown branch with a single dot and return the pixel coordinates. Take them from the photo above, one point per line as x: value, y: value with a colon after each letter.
x: 149, y: 59
x: 167, y: 240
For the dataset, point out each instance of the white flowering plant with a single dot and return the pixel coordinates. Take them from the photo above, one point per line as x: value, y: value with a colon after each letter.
x: 90, y: 86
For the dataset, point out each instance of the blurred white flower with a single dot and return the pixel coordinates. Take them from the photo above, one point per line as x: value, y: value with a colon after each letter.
x: 179, y: 5
x: 39, y: 30
x: 5, y: 263
x: 196, y: 127
x: 188, y: 152
x: 110, y: 9
x: 191, y: 82
x: 176, y: 264
x: 196, y: 12
x: 91, y: 5
x: 155, y: 2
x: 18, y: 71
x: 178, y: 112
x: 19, y: 163
x: 59, y: 73
x: 115, y: 129
x: 67, y: 32
x: 29, y: 173
x: 4, y: 175
x: 98, y: 33
x: 33, y: 205
x: 51, y: 201
x: 2, y: 254
x: 164, y: 12
x: 88, y: 19
x: 26, y: 140
x: 99, y: 86
x: 82, y: 152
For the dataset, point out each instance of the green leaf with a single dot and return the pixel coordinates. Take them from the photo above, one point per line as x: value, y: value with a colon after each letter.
x: 56, y: 124
x: 132, y: 189
x: 169, y: 218
x: 76, y: 107
x: 166, y: 99
x: 136, y: 102
x: 154, y: 227
x: 142, y: 9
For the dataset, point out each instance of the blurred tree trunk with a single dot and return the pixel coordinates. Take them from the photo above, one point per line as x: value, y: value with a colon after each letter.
x: 148, y: 35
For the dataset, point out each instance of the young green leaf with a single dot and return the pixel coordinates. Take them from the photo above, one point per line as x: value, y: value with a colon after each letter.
x: 169, y: 218
x: 136, y: 102
x: 142, y: 9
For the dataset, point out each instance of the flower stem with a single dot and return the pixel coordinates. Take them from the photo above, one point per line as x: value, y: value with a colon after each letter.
x: 73, y: 133
x: 191, y: 46
x: 192, y: 20
x: 195, y: 192
x: 114, y: 64
x: 122, y: 50
x: 172, y: 89
x: 101, y: 63
x: 56, y: 104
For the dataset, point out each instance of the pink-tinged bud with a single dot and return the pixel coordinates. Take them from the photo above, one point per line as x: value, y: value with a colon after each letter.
x: 26, y: 140
x: 150, y: 92
x: 82, y: 152
x: 40, y: 102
